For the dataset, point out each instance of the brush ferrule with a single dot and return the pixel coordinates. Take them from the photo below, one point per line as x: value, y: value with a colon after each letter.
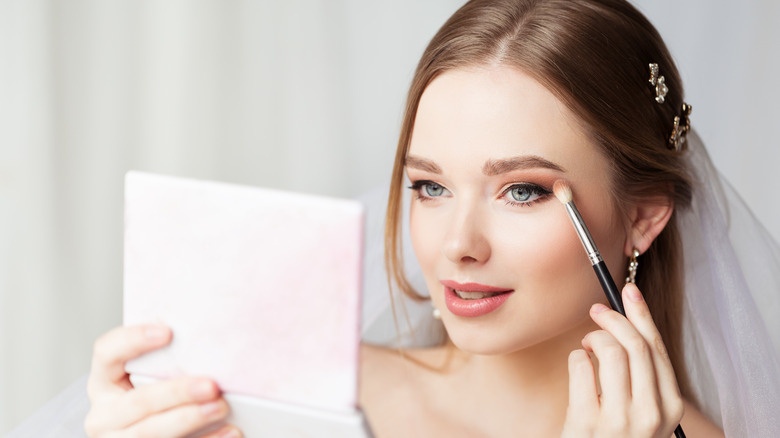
x: 582, y: 231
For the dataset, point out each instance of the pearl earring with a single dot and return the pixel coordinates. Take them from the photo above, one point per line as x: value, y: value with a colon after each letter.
x: 632, y: 265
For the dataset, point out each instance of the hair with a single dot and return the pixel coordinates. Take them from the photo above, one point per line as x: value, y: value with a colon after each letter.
x: 594, y: 56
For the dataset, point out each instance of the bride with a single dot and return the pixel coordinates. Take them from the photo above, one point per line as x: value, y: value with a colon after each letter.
x: 508, y: 98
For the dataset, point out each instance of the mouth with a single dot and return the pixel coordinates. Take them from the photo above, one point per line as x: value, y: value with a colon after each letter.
x: 473, y: 291
x: 465, y: 295
x: 473, y: 299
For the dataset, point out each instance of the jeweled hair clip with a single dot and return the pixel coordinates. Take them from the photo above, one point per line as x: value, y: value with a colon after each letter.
x: 682, y: 124
x: 659, y: 82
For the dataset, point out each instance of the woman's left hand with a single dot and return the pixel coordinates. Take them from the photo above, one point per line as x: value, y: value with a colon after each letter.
x: 639, y: 393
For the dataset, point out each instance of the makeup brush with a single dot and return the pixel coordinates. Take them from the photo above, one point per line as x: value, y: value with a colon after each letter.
x: 563, y: 192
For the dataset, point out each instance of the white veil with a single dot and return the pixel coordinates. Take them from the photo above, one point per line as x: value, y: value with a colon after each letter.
x: 732, y: 334
x: 732, y: 299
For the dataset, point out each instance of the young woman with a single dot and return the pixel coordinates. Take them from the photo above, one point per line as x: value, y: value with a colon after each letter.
x: 509, y: 97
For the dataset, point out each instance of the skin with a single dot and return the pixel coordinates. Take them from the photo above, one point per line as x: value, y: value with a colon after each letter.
x: 171, y: 408
x: 530, y: 368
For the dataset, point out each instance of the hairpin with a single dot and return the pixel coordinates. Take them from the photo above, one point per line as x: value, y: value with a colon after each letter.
x: 682, y: 124
x: 659, y: 82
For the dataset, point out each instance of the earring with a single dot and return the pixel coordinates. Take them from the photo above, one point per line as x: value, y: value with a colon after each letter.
x: 436, y: 313
x: 632, y: 264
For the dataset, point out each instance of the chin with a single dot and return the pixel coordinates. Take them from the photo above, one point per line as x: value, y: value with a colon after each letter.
x: 508, y: 339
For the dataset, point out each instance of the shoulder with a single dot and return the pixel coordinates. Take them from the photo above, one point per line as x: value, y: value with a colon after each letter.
x: 387, y: 374
x: 380, y: 371
x: 398, y: 389
x: 385, y: 389
x: 388, y: 369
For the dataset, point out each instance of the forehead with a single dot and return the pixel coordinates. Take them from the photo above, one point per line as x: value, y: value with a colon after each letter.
x: 494, y: 112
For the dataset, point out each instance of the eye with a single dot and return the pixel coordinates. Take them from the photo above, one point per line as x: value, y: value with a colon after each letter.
x: 520, y: 193
x: 428, y: 189
x: 433, y: 189
x: 525, y: 194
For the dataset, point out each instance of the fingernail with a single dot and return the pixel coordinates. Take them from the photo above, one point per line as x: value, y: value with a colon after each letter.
x: 156, y: 333
x: 202, y: 390
x: 633, y: 293
x: 211, y: 408
x: 598, y: 308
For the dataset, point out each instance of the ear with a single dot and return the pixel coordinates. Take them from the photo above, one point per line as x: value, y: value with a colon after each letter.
x: 647, y: 220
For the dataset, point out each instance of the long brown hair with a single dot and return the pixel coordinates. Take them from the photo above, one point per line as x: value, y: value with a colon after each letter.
x: 593, y: 55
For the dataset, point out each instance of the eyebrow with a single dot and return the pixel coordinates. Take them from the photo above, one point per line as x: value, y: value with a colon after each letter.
x: 491, y: 167
x: 424, y: 164
x: 497, y: 167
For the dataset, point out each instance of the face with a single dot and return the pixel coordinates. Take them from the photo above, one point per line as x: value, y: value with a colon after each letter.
x: 500, y: 256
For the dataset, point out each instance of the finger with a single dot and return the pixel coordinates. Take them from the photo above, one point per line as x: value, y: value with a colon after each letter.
x: 583, y: 410
x: 150, y: 399
x: 583, y: 391
x: 228, y: 431
x: 115, y: 348
x: 180, y: 421
x: 643, y: 382
x: 612, y: 370
x: 639, y: 314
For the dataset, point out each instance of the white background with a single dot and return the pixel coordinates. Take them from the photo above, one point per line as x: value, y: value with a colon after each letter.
x: 301, y: 95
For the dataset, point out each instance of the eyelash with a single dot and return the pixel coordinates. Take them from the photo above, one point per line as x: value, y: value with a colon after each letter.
x: 541, y: 192
x: 535, y: 189
x: 417, y: 187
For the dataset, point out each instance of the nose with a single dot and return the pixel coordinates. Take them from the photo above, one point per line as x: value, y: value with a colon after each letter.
x: 465, y: 240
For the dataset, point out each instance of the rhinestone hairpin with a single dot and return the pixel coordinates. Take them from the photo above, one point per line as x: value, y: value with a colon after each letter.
x: 659, y: 82
x: 682, y: 124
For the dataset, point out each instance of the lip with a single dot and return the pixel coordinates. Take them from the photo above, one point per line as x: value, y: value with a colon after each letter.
x: 473, y: 287
x: 473, y: 308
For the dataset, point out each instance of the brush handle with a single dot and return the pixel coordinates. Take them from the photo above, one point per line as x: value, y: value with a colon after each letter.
x: 616, y: 302
x: 610, y: 289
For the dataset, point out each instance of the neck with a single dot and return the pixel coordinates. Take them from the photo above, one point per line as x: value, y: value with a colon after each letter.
x: 531, y: 382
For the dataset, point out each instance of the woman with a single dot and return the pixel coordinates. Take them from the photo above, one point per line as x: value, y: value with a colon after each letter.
x: 509, y: 97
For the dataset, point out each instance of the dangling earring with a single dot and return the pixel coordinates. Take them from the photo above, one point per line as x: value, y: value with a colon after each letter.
x: 632, y: 264
x: 436, y: 313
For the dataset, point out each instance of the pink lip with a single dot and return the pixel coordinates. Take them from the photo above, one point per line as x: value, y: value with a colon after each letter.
x: 473, y: 308
x: 472, y: 287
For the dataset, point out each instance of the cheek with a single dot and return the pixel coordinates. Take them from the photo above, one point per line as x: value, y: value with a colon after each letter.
x: 426, y: 231
x: 545, y: 256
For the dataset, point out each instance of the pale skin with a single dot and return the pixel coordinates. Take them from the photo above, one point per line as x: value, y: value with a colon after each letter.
x: 553, y: 360
x: 531, y: 367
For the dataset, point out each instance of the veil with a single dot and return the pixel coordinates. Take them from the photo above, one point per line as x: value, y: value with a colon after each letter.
x: 732, y: 297
x: 732, y: 334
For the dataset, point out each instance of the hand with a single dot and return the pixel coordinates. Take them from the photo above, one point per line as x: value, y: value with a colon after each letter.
x: 170, y: 408
x: 639, y: 397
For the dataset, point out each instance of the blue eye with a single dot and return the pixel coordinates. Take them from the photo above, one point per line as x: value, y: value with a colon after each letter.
x: 433, y: 189
x: 525, y: 194
x: 520, y: 193
x: 428, y: 189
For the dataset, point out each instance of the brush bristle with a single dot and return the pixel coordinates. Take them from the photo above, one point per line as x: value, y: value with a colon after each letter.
x: 562, y: 191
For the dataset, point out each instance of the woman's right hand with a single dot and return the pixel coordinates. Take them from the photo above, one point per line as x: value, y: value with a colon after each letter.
x: 169, y: 408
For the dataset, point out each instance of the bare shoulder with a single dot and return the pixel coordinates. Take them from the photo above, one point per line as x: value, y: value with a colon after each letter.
x: 696, y: 424
x: 380, y: 373
x: 388, y: 375
x: 385, y: 390
x: 398, y: 389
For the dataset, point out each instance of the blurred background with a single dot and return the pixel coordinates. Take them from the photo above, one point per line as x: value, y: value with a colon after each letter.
x: 302, y: 95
